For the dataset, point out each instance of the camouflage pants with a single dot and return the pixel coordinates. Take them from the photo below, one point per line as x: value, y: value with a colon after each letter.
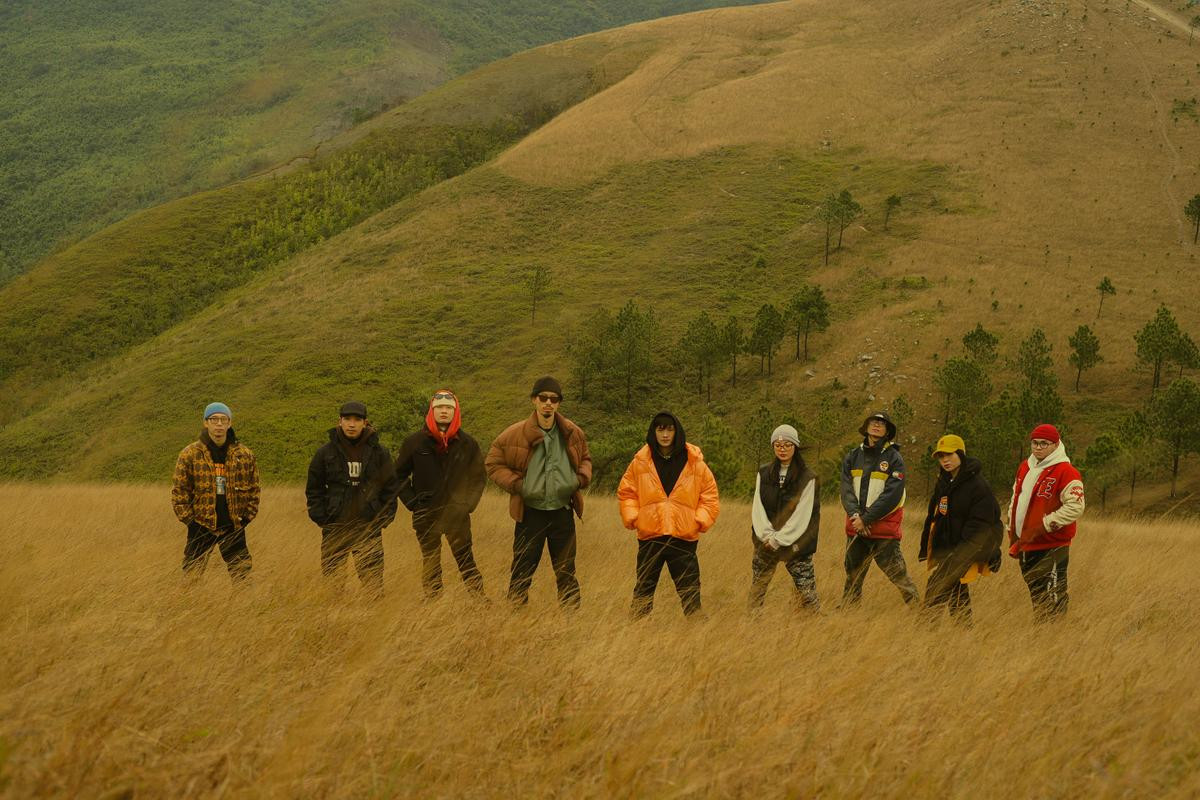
x: 762, y: 570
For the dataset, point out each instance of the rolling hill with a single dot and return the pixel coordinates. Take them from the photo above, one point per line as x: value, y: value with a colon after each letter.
x: 106, y: 108
x: 678, y: 163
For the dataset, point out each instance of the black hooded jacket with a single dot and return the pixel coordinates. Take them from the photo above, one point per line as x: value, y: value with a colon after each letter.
x: 336, y: 496
x: 669, y: 467
x: 963, y: 510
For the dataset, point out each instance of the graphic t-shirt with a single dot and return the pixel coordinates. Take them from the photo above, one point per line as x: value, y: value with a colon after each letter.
x: 221, y: 480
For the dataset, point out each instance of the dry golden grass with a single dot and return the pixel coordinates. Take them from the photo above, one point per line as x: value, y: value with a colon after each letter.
x: 117, y: 680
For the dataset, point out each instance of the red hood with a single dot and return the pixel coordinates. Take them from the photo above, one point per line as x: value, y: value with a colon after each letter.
x: 443, y: 439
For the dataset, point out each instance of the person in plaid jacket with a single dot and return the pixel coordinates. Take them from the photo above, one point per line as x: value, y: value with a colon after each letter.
x: 215, y: 493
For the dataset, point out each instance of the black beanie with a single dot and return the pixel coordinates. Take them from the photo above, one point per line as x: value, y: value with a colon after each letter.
x: 546, y: 384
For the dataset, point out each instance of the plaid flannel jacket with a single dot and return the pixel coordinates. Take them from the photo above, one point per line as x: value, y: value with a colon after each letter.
x: 194, y: 489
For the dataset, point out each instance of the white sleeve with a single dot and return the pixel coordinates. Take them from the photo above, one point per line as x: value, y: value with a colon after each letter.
x: 758, y: 515
x: 1071, y: 509
x: 797, y: 523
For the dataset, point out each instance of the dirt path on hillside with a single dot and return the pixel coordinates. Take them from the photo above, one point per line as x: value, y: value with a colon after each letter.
x: 1168, y: 17
x: 1174, y: 204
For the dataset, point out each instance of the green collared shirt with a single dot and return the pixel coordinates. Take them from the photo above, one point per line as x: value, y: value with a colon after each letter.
x: 550, y: 480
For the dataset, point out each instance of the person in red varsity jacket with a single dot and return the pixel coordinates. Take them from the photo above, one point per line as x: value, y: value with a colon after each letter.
x: 1047, y: 500
x: 873, y: 496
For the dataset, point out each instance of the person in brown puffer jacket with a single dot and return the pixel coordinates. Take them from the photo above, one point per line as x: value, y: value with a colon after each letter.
x: 543, y: 462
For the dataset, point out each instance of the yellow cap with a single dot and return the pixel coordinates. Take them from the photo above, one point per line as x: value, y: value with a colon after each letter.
x: 949, y: 444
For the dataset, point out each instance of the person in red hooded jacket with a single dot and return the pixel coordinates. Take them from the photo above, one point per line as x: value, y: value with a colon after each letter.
x: 1047, y: 501
x: 440, y: 469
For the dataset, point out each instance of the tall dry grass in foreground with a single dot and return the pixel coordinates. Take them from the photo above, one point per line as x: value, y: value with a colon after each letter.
x: 117, y: 680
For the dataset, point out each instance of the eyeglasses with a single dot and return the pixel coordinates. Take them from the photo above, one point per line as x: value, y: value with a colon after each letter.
x: 782, y: 444
x: 443, y: 396
x: 217, y: 419
x: 1041, y: 444
x: 549, y: 398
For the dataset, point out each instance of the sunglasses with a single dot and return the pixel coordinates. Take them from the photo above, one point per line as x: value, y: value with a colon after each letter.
x: 443, y: 396
x: 549, y: 398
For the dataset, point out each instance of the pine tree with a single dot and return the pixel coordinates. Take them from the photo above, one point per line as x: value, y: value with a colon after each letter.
x: 807, y: 312
x: 1105, y: 288
x: 1156, y: 342
x: 1085, y: 351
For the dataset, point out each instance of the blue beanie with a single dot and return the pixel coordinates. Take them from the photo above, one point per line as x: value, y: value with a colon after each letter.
x: 217, y: 408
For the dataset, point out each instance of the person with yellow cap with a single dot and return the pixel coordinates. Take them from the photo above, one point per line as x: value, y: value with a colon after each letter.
x: 961, y: 537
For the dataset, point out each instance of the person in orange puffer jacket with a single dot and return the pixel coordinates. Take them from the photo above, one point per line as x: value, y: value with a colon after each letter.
x: 669, y: 496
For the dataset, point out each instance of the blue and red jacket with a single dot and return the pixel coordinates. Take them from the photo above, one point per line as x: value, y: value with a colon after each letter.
x: 873, y: 487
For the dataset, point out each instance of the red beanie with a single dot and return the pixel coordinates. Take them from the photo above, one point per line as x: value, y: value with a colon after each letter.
x: 1047, y: 432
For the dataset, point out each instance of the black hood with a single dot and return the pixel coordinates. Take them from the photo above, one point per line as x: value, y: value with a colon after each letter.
x: 230, y: 438
x: 969, y: 469
x: 680, y: 438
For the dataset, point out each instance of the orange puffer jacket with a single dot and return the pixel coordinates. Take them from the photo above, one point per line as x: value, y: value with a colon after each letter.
x: 691, y: 509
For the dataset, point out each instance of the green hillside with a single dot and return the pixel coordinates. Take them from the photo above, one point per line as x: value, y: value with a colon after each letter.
x: 681, y: 165
x: 106, y: 108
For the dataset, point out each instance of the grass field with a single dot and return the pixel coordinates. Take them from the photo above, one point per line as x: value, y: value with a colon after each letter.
x: 117, y: 681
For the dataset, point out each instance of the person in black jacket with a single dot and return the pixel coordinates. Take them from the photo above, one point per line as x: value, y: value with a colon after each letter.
x: 961, y: 537
x: 785, y: 519
x: 440, y: 469
x: 351, y: 494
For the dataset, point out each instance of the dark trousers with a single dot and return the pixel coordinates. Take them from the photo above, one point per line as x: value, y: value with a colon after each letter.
x: 860, y: 551
x: 458, y: 535
x: 1045, y: 573
x: 679, y: 556
x: 762, y: 570
x: 943, y: 587
x: 231, y: 544
x: 553, y: 531
x: 364, y: 542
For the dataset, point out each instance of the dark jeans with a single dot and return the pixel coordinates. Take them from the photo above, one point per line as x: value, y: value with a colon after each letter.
x: 457, y: 530
x: 762, y: 569
x: 1045, y: 573
x: 679, y: 556
x: 339, y: 541
x: 549, y: 530
x: 860, y: 551
x: 231, y: 543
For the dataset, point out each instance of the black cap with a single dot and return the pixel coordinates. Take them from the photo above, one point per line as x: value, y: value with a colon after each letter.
x: 546, y: 384
x: 353, y: 408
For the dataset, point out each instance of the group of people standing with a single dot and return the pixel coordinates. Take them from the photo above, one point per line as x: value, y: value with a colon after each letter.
x: 668, y: 496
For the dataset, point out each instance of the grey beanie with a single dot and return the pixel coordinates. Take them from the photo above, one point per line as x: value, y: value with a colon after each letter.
x: 787, y: 433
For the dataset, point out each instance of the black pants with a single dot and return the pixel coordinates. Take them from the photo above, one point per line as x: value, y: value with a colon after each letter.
x: 457, y: 530
x: 365, y: 542
x: 679, y: 556
x: 943, y: 587
x: 1045, y: 573
x: 860, y: 551
x: 231, y: 543
x: 762, y: 570
x: 553, y: 531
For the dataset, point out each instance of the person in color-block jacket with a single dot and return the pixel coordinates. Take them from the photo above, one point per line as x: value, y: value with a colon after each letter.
x: 873, y: 483
x: 1047, y: 502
